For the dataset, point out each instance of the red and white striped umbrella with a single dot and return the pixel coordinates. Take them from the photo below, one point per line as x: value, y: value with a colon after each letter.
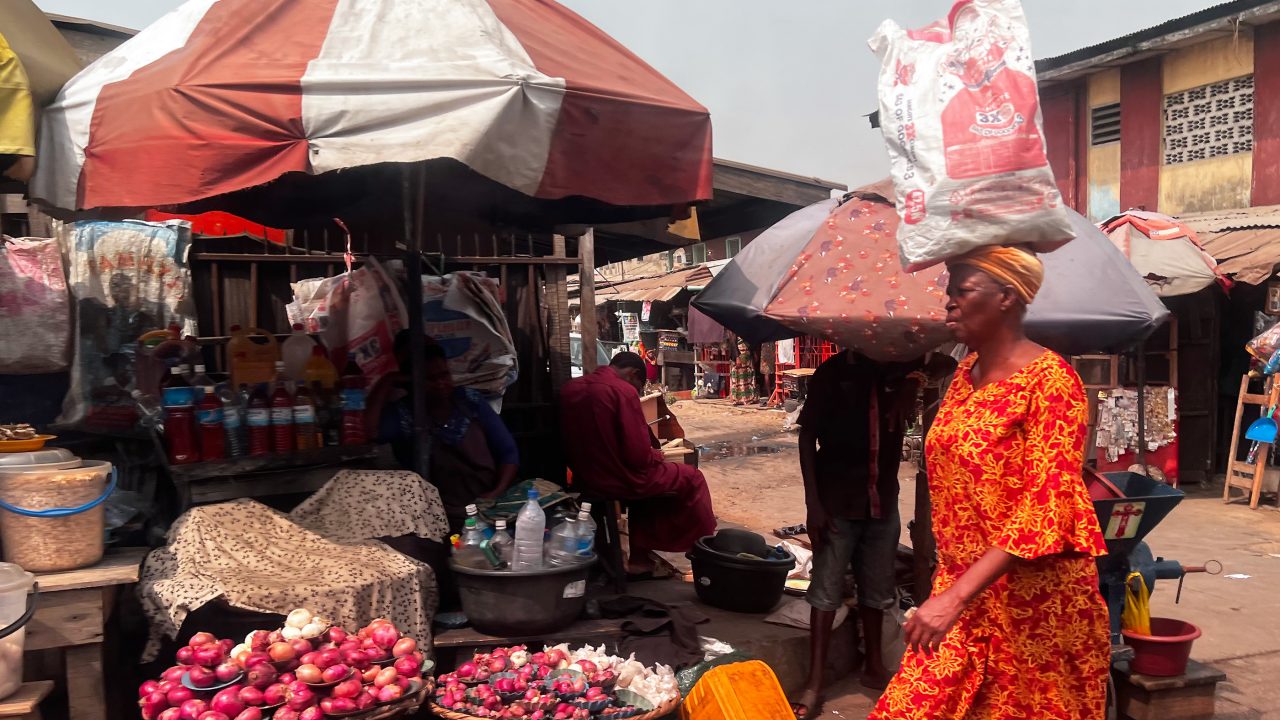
x: 224, y: 95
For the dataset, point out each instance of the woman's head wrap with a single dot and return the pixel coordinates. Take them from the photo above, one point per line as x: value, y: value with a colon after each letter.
x: 1013, y: 266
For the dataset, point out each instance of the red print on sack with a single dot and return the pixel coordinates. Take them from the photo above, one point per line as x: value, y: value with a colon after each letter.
x: 913, y: 209
x: 989, y: 126
x: 905, y: 73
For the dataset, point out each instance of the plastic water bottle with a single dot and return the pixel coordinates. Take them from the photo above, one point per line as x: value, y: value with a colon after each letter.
x: 473, y: 513
x: 200, y: 381
x: 258, y: 422
x: 586, y: 527
x: 501, y: 542
x: 232, y: 420
x: 562, y: 547
x: 295, y: 352
x: 531, y: 524
x: 150, y: 411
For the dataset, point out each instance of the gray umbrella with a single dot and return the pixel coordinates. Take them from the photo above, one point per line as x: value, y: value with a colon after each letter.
x: 1093, y: 300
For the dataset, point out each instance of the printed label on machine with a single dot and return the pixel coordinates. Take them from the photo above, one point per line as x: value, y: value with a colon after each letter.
x: 1124, y: 521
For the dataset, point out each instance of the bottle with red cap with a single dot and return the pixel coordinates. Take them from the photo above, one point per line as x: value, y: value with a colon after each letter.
x: 209, y: 419
x: 179, y: 419
x: 258, y: 418
x: 282, y: 430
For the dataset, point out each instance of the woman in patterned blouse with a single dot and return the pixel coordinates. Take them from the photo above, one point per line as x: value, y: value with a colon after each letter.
x: 1015, y: 627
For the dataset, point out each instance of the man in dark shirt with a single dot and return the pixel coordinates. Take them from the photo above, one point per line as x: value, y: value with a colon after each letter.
x: 851, y: 431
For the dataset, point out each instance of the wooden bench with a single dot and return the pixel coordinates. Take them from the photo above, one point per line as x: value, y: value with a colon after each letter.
x: 1189, y: 696
x: 73, y: 610
x: 25, y: 703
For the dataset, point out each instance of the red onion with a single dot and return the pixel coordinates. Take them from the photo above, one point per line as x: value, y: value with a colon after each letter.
x: 285, y: 713
x: 274, y: 694
x: 252, y: 696
x: 336, y: 635
x: 341, y: 706
x: 226, y: 672
x: 349, y: 689
x: 227, y: 702
x: 404, y: 683
x: 201, y: 638
x: 310, y: 658
x: 409, y: 666
x: 385, y: 636
x: 301, y: 647
x: 356, y: 659
x: 201, y: 677
x: 208, y: 656
x: 467, y: 670
x: 153, y: 704
x: 175, y: 673
x: 334, y: 673
x: 250, y: 713
x: 261, y: 675
x: 328, y: 658
x: 226, y: 645
x: 258, y: 641
x: 301, y: 699
x: 179, y: 695
x: 185, y: 655
x: 404, y: 646
x: 147, y: 688
x: 193, y: 709
x: 391, y: 693
x: 172, y: 713
x: 211, y: 715
x: 311, y: 713
x: 365, y: 700
x: 287, y: 678
x: 309, y: 674
x: 281, y: 652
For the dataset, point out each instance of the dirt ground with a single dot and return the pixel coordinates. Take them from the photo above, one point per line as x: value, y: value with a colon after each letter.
x: 752, y: 469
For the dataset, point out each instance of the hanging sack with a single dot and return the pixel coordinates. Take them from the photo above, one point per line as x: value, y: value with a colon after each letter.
x: 35, y: 310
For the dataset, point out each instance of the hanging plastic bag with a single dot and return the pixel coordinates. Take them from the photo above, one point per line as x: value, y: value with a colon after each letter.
x: 463, y: 314
x: 1136, y: 616
x: 961, y: 117
x: 35, y: 310
x: 365, y: 312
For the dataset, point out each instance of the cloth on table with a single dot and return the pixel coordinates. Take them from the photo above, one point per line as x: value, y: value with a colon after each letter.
x: 359, y: 505
x: 255, y: 558
x: 666, y: 634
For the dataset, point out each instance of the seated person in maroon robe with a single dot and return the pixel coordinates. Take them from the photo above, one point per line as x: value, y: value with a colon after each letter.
x: 614, y: 456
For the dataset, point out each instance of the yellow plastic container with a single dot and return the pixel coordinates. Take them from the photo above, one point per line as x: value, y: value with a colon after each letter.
x: 741, y: 691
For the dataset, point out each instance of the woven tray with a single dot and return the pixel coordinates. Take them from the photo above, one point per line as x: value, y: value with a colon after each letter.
x: 656, y: 714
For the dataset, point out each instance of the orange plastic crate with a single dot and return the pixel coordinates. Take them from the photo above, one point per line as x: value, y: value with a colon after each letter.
x: 741, y: 691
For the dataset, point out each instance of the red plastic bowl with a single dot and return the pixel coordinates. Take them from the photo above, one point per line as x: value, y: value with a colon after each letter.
x: 1165, y: 652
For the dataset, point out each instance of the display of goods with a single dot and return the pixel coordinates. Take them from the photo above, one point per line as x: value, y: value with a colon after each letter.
x: 961, y: 117
x: 555, y: 683
x: 306, y: 670
x: 1265, y: 344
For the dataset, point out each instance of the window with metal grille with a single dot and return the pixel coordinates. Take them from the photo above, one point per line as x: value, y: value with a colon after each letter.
x: 1104, y: 124
x: 1209, y: 121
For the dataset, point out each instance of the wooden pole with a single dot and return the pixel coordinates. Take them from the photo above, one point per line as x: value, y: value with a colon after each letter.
x: 415, y: 201
x: 587, y: 300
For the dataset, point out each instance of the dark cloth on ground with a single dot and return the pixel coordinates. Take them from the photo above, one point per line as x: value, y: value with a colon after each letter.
x: 662, y: 633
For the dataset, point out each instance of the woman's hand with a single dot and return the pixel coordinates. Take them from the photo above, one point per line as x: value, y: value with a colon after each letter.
x: 930, y: 623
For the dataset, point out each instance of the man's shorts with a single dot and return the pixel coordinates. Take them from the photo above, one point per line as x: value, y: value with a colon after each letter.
x: 872, y: 547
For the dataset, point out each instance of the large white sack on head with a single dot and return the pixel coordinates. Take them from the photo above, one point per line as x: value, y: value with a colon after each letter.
x: 961, y: 117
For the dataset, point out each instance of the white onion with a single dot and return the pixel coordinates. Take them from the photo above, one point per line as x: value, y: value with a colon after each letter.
x: 298, y: 618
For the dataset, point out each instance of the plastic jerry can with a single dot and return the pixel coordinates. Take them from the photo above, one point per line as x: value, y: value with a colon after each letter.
x: 741, y: 691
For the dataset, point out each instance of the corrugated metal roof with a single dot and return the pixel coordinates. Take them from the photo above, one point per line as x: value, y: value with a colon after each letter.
x: 1245, y: 242
x: 656, y: 288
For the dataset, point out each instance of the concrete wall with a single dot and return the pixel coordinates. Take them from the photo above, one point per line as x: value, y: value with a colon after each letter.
x: 1132, y: 172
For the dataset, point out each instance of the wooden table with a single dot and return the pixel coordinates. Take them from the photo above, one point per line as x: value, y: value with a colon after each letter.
x: 73, y: 609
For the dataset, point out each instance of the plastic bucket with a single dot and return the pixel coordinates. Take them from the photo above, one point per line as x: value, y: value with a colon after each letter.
x: 18, y: 593
x: 740, y: 584
x: 524, y: 602
x: 1165, y: 652
x: 52, y: 519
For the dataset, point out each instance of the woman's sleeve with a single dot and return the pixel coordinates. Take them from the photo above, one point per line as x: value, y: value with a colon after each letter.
x: 1050, y: 511
x: 501, y: 443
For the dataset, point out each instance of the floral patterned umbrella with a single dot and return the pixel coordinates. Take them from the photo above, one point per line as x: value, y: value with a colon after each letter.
x: 847, y: 285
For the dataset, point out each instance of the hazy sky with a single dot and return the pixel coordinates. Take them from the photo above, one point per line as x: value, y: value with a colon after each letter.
x: 787, y: 81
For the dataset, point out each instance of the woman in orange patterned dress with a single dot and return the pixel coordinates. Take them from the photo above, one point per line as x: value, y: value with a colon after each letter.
x: 1016, y: 627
